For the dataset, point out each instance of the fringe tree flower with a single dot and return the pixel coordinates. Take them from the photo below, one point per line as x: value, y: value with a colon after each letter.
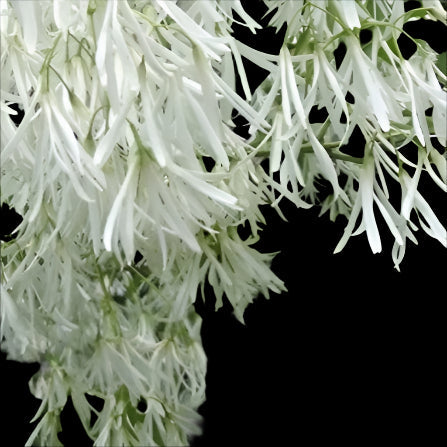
x: 133, y: 184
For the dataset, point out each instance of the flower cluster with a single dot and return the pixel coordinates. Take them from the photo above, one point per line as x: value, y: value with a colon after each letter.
x: 374, y: 89
x: 133, y: 184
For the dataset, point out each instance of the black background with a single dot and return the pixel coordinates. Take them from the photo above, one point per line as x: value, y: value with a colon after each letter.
x: 350, y: 354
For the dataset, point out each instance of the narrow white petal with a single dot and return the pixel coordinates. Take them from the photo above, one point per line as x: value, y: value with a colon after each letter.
x: 107, y: 143
x: 348, y: 11
x: 215, y: 146
x: 389, y: 220
x: 205, y: 188
x: 325, y: 161
x: 350, y: 225
x: 252, y: 24
x: 366, y: 182
x: 117, y: 207
x: 411, y: 188
x: 28, y: 14
x: 208, y: 43
x: 252, y: 116
x: 435, y: 228
x: 285, y: 102
x: 331, y: 78
x: 276, y: 150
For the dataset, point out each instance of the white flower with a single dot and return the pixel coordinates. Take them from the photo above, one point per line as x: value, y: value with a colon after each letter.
x: 239, y: 271
x: 366, y: 188
x: 132, y: 183
x: 348, y: 13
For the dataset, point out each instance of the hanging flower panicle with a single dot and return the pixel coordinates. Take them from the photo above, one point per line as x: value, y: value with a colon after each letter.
x: 133, y: 184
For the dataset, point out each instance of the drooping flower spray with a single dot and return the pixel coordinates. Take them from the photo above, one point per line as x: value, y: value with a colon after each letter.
x: 132, y: 182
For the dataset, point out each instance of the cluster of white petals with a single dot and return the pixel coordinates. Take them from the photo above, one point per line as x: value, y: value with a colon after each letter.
x: 390, y: 100
x: 132, y: 183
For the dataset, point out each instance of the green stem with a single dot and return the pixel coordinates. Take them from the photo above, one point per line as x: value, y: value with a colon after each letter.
x: 345, y: 157
x: 307, y: 149
x: 44, y: 71
x: 323, y: 129
x: 60, y: 78
x: 107, y: 305
x: 81, y: 45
